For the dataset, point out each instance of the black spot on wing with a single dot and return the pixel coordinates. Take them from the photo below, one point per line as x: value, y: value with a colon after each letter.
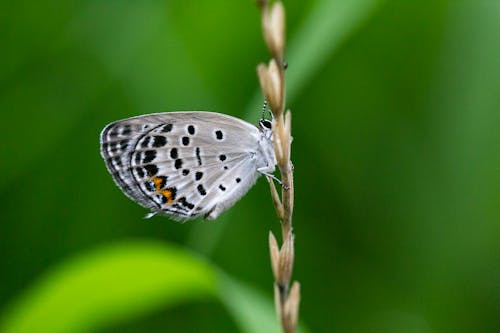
x: 163, y: 181
x: 117, y: 161
x: 167, y: 128
x: 151, y: 169
x: 137, y: 157
x: 159, y: 141
x: 126, y: 130
x: 140, y: 172
x: 198, y: 156
x: 113, y: 132
x: 123, y: 144
x: 149, y: 156
x: 201, y: 189
x: 145, y: 142
x: 163, y: 199
x: 150, y: 186
x: 173, y: 192
x: 178, y: 163
x: 185, y: 203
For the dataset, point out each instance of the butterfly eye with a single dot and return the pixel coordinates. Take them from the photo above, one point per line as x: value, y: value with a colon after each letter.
x: 264, y: 123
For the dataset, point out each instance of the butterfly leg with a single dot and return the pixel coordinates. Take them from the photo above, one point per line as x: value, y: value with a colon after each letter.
x: 265, y: 171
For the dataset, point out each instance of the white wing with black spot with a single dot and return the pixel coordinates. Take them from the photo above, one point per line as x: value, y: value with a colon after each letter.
x: 186, y: 164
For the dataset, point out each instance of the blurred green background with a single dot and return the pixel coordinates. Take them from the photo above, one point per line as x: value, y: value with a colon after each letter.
x: 396, y: 110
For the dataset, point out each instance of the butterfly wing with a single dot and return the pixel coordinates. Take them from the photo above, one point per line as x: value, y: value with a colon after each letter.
x: 183, y: 164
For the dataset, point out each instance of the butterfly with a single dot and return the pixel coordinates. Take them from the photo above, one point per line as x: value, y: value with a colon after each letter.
x: 187, y: 164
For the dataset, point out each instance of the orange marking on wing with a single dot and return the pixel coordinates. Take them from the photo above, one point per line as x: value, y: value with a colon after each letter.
x: 157, y: 181
x: 167, y: 194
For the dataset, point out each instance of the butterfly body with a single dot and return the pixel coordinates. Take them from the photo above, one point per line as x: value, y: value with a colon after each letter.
x: 186, y: 164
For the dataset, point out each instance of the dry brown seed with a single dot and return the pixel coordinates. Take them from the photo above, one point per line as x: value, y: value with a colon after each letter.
x: 273, y: 21
x: 276, y: 77
x: 286, y: 260
x: 275, y: 253
x: 292, y: 305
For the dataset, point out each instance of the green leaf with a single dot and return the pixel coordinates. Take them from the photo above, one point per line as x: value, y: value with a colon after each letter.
x: 124, y: 281
x: 109, y: 285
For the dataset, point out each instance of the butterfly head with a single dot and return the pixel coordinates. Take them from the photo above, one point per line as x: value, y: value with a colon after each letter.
x: 265, y: 126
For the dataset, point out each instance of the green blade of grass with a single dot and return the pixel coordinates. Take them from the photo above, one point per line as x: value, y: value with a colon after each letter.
x: 329, y: 23
x: 124, y: 281
x: 110, y: 285
x: 251, y: 310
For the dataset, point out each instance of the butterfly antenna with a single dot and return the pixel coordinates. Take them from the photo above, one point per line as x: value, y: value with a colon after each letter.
x: 264, y: 107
